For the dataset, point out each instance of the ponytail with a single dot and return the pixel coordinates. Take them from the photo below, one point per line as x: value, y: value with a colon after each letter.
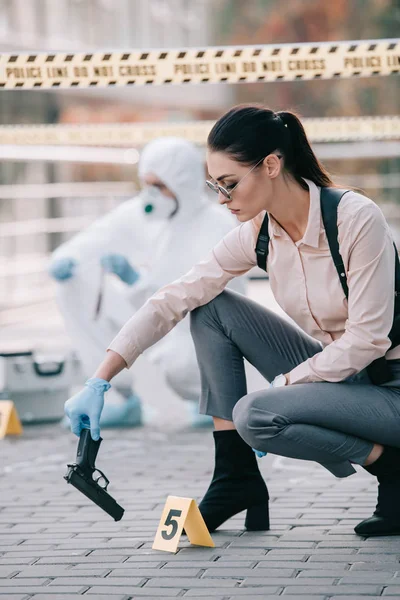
x: 250, y: 132
x: 300, y: 158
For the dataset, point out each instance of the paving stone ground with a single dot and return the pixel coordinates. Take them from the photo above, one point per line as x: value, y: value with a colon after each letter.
x: 55, y: 544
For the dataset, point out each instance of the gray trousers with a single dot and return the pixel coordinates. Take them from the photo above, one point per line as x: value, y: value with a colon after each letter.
x: 334, y: 424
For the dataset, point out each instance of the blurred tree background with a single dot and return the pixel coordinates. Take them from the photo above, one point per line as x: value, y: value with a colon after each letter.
x: 272, y: 21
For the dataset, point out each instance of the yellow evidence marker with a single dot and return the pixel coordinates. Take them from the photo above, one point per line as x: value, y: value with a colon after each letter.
x: 9, y: 419
x: 181, y: 513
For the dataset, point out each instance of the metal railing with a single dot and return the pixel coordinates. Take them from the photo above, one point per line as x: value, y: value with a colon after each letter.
x: 23, y: 274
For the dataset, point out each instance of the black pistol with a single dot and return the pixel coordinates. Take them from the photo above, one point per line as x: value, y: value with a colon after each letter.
x: 88, y: 479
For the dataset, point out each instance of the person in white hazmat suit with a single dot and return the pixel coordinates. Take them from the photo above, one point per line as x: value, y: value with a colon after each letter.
x: 145, y: 243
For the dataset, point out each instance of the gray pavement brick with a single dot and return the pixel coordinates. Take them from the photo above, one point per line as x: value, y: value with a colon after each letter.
x: 214, y: 597
x: 292, y: 597
x: 238, y: 592
x: 374, y: 577
x: 340, y: 544
x: 377, y: 550
x: 44, y: 553
x: 191, y: 582
x: 353, y: 597
x: 27, y: 590
x: 332, y: 572
x: 136, y: 593
x: 59, y: 571
x: 89, y: 581
x: 39, y: 538
x: 363, y: 590
x: 132, y: 552
x: 285, y: 581
x: 302, y: 566
x: 243, y: 564
x: 260, y: 543
x: 102, y: 543
x: 80, y: 560
x: 312, y: 551
x: 118, y: 566
x: 74, y: 597
x: 352, y: 558
x: 142, y: 571
x: 238, y: 572
x: 390, y: 567
x: 33, y: 581
x: 224, y: 556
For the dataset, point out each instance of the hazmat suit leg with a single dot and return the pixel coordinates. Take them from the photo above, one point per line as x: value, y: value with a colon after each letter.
x: 77, y: 300
x: 176, y: 356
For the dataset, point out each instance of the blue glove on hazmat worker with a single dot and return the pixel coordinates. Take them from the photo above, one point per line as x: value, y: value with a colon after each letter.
x: 120, y: 266
x: 84, y: 408
x: 62, y: 269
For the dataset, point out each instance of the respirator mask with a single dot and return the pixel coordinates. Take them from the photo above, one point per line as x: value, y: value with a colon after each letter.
x: 155, y: 204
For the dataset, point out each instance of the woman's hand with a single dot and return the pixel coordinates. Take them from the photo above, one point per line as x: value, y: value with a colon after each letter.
x: 84, y: 409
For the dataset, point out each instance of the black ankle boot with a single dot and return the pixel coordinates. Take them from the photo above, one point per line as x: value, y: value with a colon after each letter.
x: 237, y: 484
x: 386, y: 517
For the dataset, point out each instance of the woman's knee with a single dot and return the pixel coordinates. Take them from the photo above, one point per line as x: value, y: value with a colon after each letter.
x: 256, y: 421
x: 210, y: 311
x: 243, y: 416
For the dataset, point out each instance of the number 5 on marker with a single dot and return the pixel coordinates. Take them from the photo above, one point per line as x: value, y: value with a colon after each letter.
x: 170, y: 521
x: 181, y: 513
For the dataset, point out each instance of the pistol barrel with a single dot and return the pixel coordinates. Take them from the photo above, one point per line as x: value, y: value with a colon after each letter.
x: 95, y: 493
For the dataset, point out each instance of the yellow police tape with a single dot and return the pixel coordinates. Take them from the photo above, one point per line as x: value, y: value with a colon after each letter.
x: 338, y: 129
x: 226, y: 64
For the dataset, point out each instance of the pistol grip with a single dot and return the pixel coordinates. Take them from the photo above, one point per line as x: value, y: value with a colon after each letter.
x: 87, y: 450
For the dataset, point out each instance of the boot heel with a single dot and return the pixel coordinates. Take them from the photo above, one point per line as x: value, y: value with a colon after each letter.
x: 257, y: 518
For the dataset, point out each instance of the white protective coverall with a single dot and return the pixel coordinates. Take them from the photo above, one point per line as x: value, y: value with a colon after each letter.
x: 161, y: 250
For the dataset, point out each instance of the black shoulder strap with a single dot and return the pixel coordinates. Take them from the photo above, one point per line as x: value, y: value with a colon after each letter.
x: 330, y: 199
x: 262, y: 245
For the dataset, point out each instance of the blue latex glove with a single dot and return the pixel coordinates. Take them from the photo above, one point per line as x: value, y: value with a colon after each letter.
x: 62, y: 269
x: 259, y: 453
x: 119, y: 265
x: 84, y: 409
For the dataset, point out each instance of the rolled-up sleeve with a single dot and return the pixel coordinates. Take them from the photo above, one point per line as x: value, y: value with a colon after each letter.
x: 233, y: 256
x: 367, y: 248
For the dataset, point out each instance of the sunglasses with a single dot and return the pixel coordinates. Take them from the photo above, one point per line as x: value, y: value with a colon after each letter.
x: 215, y: 187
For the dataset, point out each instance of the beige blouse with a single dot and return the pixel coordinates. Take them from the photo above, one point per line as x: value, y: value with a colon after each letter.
x: 305, y: 284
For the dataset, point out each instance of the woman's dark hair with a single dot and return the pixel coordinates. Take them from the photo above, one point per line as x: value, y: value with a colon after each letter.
x: 249, y: 132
